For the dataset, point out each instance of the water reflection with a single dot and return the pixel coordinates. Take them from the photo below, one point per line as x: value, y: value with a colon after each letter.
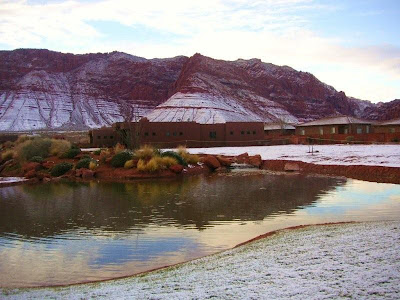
x: 50, y: 209
x: 67, y: 232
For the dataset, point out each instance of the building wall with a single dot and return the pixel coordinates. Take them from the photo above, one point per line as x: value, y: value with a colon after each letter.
x: 104, y: 137
x: 387, y: 129
x: 351, y: 129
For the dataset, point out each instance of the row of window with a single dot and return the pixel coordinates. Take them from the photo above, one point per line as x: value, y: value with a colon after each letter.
x: 105, y: 137
x: 359, y: 130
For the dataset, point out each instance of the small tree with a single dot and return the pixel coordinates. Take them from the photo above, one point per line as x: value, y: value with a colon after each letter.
x: 130, y: 136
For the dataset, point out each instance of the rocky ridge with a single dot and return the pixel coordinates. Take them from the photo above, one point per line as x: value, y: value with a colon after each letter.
x: 42, y: 89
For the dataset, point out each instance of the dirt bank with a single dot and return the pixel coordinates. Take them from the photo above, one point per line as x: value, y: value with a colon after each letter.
x: 367, y: 173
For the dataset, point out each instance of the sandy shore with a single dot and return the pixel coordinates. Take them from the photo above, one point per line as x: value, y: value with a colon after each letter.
x: 359, y: 260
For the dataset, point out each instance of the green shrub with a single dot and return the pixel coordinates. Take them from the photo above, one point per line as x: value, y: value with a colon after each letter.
x: 83, y: 163
x: 119, y: 159
x: 71, y: 153
x: 395, y: 140
x: 35, y: 147
x: 37, y: 159
x: 61, y: 169
x: 97, y: 152
x: 175, y: 155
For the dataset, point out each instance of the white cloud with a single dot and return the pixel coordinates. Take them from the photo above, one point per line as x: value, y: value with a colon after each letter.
x: 274, y: 30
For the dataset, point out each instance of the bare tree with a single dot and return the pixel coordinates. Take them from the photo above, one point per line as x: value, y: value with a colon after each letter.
x: 131, y: 134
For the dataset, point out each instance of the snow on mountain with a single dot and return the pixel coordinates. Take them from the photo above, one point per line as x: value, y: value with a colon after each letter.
x: 42, y: 89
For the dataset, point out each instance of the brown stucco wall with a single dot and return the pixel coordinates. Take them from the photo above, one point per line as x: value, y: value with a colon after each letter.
x: 315, y: 130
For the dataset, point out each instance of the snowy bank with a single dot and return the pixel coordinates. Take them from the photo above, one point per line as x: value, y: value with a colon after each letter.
x: 352, y: 260
x: 369, y: 155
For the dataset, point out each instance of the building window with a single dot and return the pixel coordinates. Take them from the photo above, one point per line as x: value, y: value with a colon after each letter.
x: 242, y: 132
x: 302, y: 131
x: 254, y: 132
x: 333, y: 130
x: 392, y: 130
x: 174, y: 134
x: 111, y: 137
x: 181, y: 133
x: 346, y: 131
x: 359, y: 130
x: 167, y: 134
x: 105, y: 137
x: 213, y: 134
x: 98, y: 137
x: 231, y: 133
x: 321, y: 130
x: 367, y: 129
x: 153, y: 134
x: 248, y: 132
x: 146, y: 134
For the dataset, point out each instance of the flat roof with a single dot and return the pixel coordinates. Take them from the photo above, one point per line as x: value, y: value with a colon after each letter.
x: 336, y: 120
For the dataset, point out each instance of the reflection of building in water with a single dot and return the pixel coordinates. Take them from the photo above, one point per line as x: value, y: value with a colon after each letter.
x: 48, y: 210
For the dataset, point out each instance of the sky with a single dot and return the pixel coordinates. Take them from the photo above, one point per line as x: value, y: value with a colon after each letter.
x: 353, y: 45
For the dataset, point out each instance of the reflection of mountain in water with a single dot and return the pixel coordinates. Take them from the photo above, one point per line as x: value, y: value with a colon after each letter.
x: 50, y: 209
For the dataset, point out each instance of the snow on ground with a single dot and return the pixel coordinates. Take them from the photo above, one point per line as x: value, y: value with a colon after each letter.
x: 372, y: 155
x: 360, y: 261
x: 12, y: 179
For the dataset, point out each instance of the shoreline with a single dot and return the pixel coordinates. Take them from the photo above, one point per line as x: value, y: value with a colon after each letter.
x: 158, y: 279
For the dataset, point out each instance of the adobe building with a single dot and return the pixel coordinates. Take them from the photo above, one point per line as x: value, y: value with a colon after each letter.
x: 104, y: 137
x: 335, y: 125
x: 272, y: 130
x: 391, y: 126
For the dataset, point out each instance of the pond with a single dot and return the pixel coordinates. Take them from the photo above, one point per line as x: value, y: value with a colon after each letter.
x: 69, y: 232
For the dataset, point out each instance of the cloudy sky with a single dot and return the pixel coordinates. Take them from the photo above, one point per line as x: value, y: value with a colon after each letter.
x: 353, y: 45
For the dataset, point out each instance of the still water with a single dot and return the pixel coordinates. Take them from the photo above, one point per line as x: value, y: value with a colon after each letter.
x: 62, y: 233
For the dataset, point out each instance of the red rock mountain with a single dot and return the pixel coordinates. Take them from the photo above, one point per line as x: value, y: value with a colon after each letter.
x: 46, y: 89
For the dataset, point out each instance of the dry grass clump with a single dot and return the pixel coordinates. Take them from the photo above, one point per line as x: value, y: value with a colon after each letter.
x: 191, y: 159
x: 156, y: 163
x: 167, y: 161
x: 21, y: 139
x: 129, y: 164
x: 145, y: 152
x: 104, y: 154
x: 7, y: 155
x: 59, y: 147
x: 119, y: 148
x: 33, y: 147
x: 93, y: 165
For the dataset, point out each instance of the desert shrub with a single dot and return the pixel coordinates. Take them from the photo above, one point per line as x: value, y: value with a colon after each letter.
x: 35, y: 147
x: 61, y: 169
x: 71, y: 153
x: 21, y: 139
x: 118, y: 148
x: 175, y: 155
x: 8, y: 145
x: 191, y: 159
x: 83, y: 163
x: 58, y: 147
x: 93, y: 165
x: 145, y: 152
x: 349, y: 139
x: 167, y: 161
x: 104, y: 154
x: 37, y: 159
x: 119, y: 159
x: 7, y: 155
x: 150, y: 166
x: 129, y: 164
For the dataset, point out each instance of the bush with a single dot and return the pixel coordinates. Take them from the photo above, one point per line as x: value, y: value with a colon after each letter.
x: 21, y: 139
x: 175, y: 155
x: 35, y: 147
x: 167, y: 161
x: 61, y: 169
x: 191, y: 159
x: 119, y: 160
x: 129, y: 164
x: 7, y: 155
x: 71, y: 153
x: 83, y: 163
x: 145, y: 152
x: 151, y: 166
x: 104, y: 154
x: 97, y: 152
x: 119, y: 148
x: 59, y: 147
x: 37, y: 159
x: 395, y: 140
x: 8, y: 145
